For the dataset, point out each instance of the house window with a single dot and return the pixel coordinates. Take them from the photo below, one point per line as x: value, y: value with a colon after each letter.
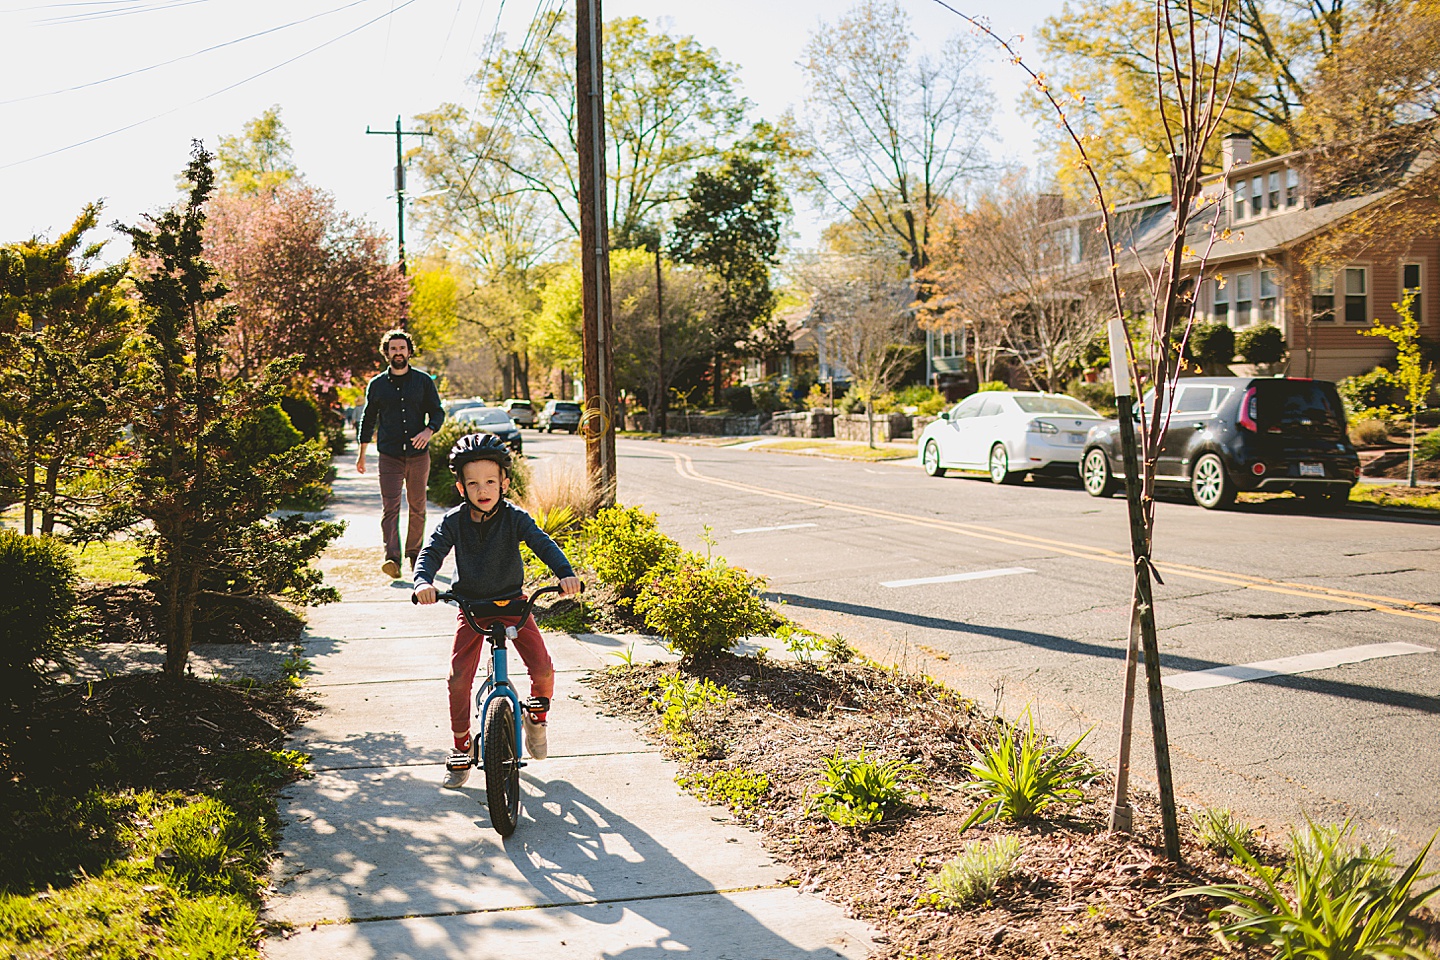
x: 949, y: 343
x: 1322, y: 294
x: 1257, y: 196
x: 1274, y: 183
x: 1410, y: 276
x: 1244, y: 290
x: 1357, y: 295
x: 1219, y: 301
x: 1269, y: 296
x: 1292, y: 188
x: 1240, y: 199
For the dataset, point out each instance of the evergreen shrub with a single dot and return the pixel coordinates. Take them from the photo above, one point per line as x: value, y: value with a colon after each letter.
x: 37, y: 610
x: 1262, y: 344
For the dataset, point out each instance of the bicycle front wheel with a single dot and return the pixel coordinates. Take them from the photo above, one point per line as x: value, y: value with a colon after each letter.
x: 502, y: 768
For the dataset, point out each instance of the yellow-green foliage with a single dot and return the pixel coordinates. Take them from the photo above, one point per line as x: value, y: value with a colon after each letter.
x: 973, y: 876
x: 681, y: 700
x: 1020, y: 774
x: 738, y: 789
x: 860, y: 791
x: 623, y: 544
x: 702, y: 606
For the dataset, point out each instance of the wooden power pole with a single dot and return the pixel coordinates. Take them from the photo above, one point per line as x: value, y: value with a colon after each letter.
x: 598, y: 422
x: 399, y: 179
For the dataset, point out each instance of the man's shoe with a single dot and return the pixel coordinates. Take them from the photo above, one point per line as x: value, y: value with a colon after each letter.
x: 457, y: 771
x: 537, y: 742
x: 391, y: 569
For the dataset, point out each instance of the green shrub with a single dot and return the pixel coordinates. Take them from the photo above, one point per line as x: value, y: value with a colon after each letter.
x: 770, y: 396
x: 622, y: 545
x: 267, y: 432
x: 37, y: 611
x: 1371, y: 396
x: 1262, y: 344
x: 1020, y: 774
x: 304, y: 414
x: 702, y: 606
x: 1428, y: 446
x: 1335, y: 900
x: 682, y: 699
x: 1100, y: 397
x: 1212, y: 344
x: 974, y: 875
x: 861, y: 791
x: 851, y: 402
x: 738, y: 399
x: 990, y: 385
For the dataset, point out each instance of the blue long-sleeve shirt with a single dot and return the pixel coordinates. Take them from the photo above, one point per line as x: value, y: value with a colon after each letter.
x: 487, y: 555
x: 401, y: 407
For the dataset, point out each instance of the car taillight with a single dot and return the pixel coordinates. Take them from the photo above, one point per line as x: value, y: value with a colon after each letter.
x: 1258, y: 469
x: 1249, y: 407
x: 1040, y: 426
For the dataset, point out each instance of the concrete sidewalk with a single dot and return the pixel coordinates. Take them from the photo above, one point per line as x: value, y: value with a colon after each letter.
x: 610, y: 859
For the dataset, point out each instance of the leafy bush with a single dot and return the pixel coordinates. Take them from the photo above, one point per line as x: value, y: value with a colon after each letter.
x: 623, y: 544
x: 1098, y: 396
x: 267, y: 432
x: 702, y: 606
x: 1220, y: 830
x: 1371, y: 396
x: 1428, y: 446
x: 974, y: 875
x: 1212, y: 344
x: 37, y: 603
x: 861, y: 791
x: 738, y: 399
x: 1334, y: 900
x: 738, y: 789
x: 772, y: 395
x: 1262, y: 344
x: 1365, y: 432
x: 990, y: 385
x: 851, y: 402
x: 818, y: 398
x: 1020, y: 774
x: 304, y: 414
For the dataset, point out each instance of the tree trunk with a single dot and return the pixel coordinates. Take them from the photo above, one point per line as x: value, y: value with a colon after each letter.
x: 1411, y: 478
x: 29, y: 487
x: 52, y: 490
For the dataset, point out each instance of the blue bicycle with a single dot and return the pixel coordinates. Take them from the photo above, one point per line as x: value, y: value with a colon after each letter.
x: 497, y: 750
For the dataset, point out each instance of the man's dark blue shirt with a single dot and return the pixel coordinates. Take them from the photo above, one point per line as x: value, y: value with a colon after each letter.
x: 401, y: 407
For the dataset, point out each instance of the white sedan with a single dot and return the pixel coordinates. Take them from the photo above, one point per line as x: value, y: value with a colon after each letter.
x: 1009, y: 434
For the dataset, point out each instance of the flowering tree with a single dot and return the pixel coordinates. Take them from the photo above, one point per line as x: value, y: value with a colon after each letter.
x: 305, y: 279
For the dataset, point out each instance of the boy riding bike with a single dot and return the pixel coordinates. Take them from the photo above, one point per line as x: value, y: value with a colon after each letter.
x: 486, y: 532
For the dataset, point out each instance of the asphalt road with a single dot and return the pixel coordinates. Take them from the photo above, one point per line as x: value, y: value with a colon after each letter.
x: 1035, y: 613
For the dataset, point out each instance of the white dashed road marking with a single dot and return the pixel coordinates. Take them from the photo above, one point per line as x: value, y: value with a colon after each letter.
x: 955, y: 577
x: 788, y: 526
x: 1285, y: 666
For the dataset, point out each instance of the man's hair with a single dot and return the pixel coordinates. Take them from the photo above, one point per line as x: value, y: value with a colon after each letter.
x: 396, y: 334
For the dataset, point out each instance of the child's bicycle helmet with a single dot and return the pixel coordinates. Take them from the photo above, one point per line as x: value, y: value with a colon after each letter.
x: 479, y: 446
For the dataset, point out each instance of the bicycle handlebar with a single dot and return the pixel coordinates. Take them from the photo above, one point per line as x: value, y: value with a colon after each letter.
x: 449, y: 597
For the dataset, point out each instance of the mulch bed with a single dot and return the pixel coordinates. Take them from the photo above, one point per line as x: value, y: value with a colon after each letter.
x: 1081, y: 892
x: 126, y: 613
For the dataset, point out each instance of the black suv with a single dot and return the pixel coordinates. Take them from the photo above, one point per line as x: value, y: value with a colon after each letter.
x: 1229, y: 434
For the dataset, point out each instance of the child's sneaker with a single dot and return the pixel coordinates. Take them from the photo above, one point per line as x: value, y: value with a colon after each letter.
x: 535, y: 724
x: 457, y: 770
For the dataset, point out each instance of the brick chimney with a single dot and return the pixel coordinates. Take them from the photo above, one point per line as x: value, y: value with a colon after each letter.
x: 1235, y: 150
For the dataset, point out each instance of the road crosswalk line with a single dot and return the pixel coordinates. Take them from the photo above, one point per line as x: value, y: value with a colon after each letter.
x: 1286, y: 666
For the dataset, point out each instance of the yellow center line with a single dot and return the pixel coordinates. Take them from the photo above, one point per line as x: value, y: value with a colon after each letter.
x: 685, y: 466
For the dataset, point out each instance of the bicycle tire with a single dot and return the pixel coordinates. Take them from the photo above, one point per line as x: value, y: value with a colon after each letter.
x: 502, y: 768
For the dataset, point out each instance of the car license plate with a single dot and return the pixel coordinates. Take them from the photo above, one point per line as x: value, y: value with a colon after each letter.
x: 1312, y: 469
x: 1077, y: 438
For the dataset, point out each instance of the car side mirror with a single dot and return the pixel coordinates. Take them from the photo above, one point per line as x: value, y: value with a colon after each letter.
x: 944, y: 414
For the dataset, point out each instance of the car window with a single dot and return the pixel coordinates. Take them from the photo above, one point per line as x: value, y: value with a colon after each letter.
x: 518, y: 405
x: 967, y: 408
x: 1195, y: 400
x: 483, y: 416
x: 1309, y: 408
x: 568, y: 407
x: 991, y: 408
x: 1066, y: 406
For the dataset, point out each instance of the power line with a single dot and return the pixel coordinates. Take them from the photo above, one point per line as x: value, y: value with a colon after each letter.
x: 208, y: 96
x: 133, y: 8
x: 188, y: 56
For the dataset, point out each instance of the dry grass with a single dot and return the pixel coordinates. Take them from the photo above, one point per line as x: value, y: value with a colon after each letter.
x: 559, y: 488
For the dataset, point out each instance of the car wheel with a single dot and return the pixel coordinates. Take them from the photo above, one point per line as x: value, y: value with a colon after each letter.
x: 932, y: 460
x: 1210, y: 485
x: 1095, y: 471
x: 1000, y: 471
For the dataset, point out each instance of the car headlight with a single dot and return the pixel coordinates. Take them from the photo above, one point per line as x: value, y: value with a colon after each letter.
x: 1040, y: 426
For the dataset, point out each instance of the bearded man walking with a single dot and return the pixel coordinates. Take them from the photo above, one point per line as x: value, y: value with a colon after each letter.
x: 404, y: 404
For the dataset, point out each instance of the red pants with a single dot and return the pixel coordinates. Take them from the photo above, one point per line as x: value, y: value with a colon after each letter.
x: 465, y: 660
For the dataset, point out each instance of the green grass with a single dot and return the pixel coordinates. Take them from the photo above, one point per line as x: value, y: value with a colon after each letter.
x: 849, y: 451
x: 110, y: 561
x: 1413, y: 498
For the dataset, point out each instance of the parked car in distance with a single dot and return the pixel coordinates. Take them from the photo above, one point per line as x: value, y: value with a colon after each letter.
x: 520, y: 411
x: 493, y: 420
x: 451, y: 405
x: 1228, y: 434
x: 559, y: 415
x: 1008, y: 433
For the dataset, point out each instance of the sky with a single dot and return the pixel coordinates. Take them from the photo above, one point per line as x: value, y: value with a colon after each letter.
x: 99, y: 100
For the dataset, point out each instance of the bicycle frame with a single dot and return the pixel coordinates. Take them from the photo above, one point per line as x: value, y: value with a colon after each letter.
x: 497, y: 683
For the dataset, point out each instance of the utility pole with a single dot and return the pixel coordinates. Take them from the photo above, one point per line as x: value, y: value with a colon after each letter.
x: 1142, y: 618
x: 399, y: 179
x: 598, y: 421
x: 659, y: 403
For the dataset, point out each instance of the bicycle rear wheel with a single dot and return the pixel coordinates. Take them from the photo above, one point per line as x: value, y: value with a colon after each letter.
x: 502, y: 768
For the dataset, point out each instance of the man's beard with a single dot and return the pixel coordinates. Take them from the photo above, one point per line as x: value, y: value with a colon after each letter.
x: 399, y: 364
